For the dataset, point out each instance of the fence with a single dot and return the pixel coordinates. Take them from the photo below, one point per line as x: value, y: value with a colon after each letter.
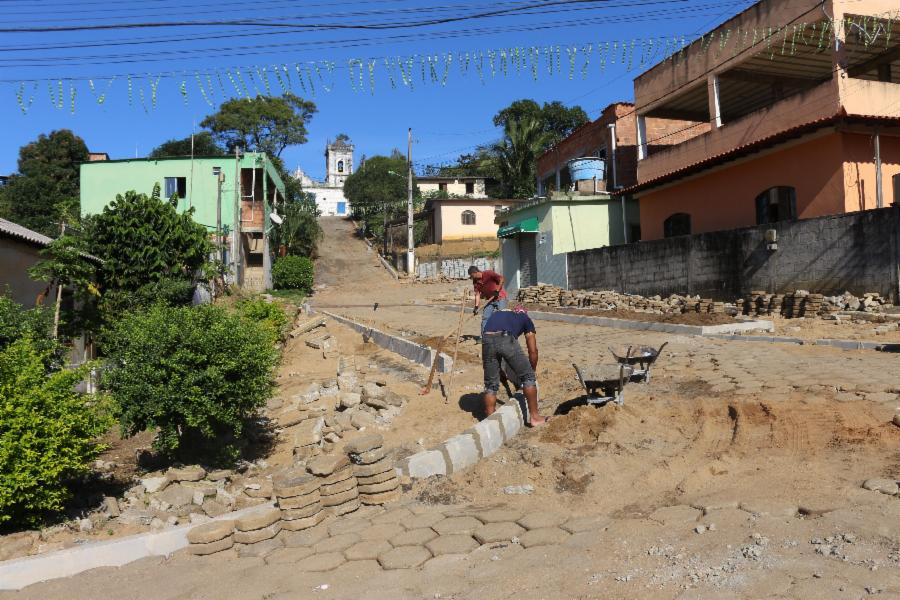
x: 855, y: 252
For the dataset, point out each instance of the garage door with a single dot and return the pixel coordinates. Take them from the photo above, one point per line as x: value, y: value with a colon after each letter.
x: 527, y: 260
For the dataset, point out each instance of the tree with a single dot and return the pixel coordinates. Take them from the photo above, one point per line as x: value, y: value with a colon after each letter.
x: 377, y: 192
x: 555, y: 118
x: 517, y: 153
x: 262, y: 124
x: 342, y: 137
x: 46, y: 188
x: 143, y: 239
x: 203, y: 145
x: 66, y: 264
x: 299, y: 231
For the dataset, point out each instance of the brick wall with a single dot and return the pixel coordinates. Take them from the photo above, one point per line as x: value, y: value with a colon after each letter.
x: 856, y: 252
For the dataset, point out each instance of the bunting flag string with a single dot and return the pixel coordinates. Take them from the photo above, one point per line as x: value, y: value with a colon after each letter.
x: 586, y: 59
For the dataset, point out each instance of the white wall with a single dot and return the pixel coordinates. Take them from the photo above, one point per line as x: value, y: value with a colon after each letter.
x: 327, y: 199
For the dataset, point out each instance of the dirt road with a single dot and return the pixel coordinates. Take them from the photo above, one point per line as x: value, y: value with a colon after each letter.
x: 735, y: 473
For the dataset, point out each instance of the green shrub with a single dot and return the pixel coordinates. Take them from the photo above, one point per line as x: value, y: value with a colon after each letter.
x: 194, y: 373
x: 293, y: 273
x: 269, y: 314
x: 169, y: 291
x: 35, y: 323
x: 47, y: 433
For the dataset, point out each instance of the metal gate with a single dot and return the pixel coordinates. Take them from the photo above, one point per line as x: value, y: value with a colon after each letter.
x: 527, y: 260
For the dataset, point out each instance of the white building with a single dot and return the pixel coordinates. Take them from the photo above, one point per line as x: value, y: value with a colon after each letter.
x: 329, y: 194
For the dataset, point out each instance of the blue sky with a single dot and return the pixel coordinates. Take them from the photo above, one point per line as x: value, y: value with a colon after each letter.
x: 447, y: 118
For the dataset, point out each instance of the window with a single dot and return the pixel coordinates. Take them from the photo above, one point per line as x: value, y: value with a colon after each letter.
x: 470, y: 187
x: 442, y: 187
x: 340, y: 166
x: 468, y: 217
x: 677, y: 224
x: 176, y: 185
x: 776, y: 204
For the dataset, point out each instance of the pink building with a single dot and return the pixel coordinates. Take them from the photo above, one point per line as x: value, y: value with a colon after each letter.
x: 770, y: 134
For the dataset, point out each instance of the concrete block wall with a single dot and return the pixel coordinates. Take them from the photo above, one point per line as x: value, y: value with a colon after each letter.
x: 857, y: 252
x: 453, y: 268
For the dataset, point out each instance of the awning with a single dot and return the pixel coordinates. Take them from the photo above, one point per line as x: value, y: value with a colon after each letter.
x: 526, y: 226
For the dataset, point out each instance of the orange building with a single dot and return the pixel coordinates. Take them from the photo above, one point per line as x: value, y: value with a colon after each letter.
x: 772, y: 135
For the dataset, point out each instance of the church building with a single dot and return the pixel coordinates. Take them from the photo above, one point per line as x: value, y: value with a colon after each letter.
x: 329, y: 194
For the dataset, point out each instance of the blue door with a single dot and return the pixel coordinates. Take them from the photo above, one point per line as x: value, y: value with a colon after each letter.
x: 342, y: 208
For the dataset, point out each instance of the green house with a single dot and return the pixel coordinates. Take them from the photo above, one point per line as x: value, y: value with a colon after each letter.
x: 536, y: 237
x: 206, y: 184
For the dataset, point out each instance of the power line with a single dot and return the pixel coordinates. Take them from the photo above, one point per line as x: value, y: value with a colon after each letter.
x: 533, y: 8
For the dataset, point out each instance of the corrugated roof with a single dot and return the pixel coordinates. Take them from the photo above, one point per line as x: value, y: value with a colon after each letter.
x: 14, y: 230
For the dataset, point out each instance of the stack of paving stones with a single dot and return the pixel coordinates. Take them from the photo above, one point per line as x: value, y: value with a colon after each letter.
x: 337, y: 483
x: 212, y: 537
x: 255, y: 534
x: 298, y: 497
x: 375, y: 473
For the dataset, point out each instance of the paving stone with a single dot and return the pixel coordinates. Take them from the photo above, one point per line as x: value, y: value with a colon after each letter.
x: 395, y: 515
x: 767, y: 508
x: 426, y: 519
x: 589, y: 523
x: 210, y: 532
x: 346, y: 507
x: 259, y: 549
x: 503, y: 531
x: 498, y: 515
x: 380, y: 478
x: 546, y: 536
x: 326, y: 464
x: 282, y: 556
x: 669, y: 515
x: 299, y: 501
x: 440, y: 564
x: 404, y: 557
x: 381, y: 531
x: 361, y: 419
x: 585, y: 540
x: 414, y: 537
x: 211, y: 548
x: 292, y: 514
x: 337, y: 543
x: 295, y: 483
x: 350, y: 399
x: 321, y: 562
x: 885, y: 486
x: 309, y: 537
x: 846, y: 397
x: 377, y: 488
x: 304, y: 523
x: 542, y: 519
x: 177, y: 495
x: 340, y: 498
x: 371, y: 456
x: 338, y: 488
x: 380, y: 499
x: 456, y: 543
x: 457, y: 525
x: 367, y: 550
x: 292, y: 417
x: 258, y: 519
x: 381, y: 466
x: 153, y: 485
x: 265, y: 490
x: 342, y: 474
x: 364, y: 443
x: 214, y: 508
x: 257, y: 535
x: 348, y: 525
x: 189, y: 473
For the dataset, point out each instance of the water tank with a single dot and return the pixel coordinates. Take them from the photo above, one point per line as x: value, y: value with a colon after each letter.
x: 587, y: 167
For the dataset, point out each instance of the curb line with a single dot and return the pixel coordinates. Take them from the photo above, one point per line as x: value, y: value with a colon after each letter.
x: 21, y: 572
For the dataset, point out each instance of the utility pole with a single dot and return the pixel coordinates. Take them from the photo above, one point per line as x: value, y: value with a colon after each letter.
x: 236, y: 227
x: 59, y: 287
x: 410, y: 245
x: 879, y: 191
x: 220, y: 241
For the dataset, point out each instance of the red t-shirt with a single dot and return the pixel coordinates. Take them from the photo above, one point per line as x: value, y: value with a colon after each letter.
x: 488, y: 285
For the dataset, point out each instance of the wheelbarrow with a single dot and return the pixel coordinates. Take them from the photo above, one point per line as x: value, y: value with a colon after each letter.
x: 604, y: 383
x: 642, y: 356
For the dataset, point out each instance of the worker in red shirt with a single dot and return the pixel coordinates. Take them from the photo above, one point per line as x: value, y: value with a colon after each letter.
x: 488, y: 287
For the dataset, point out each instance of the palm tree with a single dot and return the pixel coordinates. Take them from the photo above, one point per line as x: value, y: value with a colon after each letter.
x: 523, y: 141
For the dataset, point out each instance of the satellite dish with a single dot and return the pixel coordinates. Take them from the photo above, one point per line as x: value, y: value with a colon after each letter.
x: 276, y: 218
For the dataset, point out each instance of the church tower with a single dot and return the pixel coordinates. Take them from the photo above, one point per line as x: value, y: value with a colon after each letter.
x: 338, y: 162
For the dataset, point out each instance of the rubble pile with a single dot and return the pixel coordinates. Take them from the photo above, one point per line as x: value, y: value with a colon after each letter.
x: 799, y: 303
x: 550, y: 295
